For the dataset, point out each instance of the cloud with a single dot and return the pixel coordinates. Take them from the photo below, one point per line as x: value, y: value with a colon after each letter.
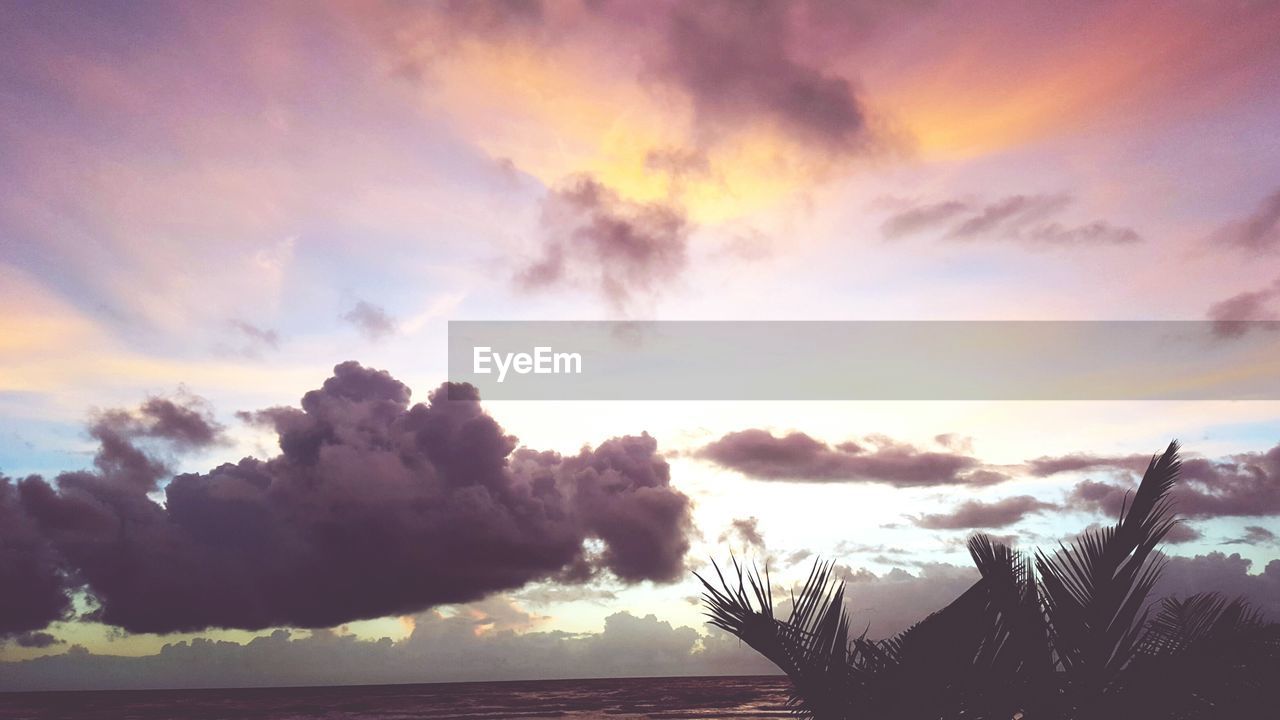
x: 976, y: 514
x: 887, y: 604
x: 893, y: 601
x: 37, y: 640
x: 33, y: 594
x: 1254, y: 535
x: 373, y: 507
x: 474, y: 644
x: 746, y: 530
x: 1182, y: 533
x: 497, y: 640
x: 1026, y: 219
x: 921, y: 217
x: 1240, y: 485
x: 371, y: 320
x: 1257, y: 233
x: 597, y: 239
x: 256, y: 337
x: 1235, y: 316
x: 797, y: 457
x: 737, y: 62
x: 1078, y: 462
x: 1226, y: 574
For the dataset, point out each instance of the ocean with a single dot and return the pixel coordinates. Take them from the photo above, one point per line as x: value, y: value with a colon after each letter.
x: 683, y: 698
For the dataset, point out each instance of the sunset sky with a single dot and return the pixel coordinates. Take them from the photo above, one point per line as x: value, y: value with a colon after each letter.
x: 210, y: 210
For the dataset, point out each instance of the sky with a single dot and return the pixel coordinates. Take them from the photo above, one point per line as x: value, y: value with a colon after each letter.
x: 232, y: 235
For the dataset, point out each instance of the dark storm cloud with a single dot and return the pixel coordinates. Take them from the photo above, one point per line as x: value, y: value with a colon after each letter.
x: 973, y: 514
x: 1027, y: 219
x: 32, y: 592
x: 597, y: 239
x: 371, y: 320
x: 746, y: 530
x: 797, y: 457
x: 37, y: 640
x: 1258, y: 233
x: 374, y: 507
x: 1241, y: 485
x: 737, y: 62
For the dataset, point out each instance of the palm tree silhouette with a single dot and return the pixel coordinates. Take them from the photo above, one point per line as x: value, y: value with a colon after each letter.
x: 1070, y: 635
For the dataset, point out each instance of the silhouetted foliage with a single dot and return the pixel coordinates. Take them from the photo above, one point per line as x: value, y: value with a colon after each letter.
x: 1070, y: 635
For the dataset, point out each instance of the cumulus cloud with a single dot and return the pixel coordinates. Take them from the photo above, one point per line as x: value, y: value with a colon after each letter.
x: 890, y: 603
x: 973, y: 514
x: 1027, y: 219
x: 129, y: 463
x: 371, y: 320
x: 798, y: 457
x: 498, y: 640
x: 33, y: 594
x: 597, y: 239
x: 1240, y: 485
x: 373, y: 507
x: 465, y: 646
x: 1257, y: 233
x: 1226, y: 574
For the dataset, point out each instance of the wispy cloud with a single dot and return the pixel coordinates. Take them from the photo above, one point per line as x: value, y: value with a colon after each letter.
x: 1259, y: 232
x: 1026, y: 219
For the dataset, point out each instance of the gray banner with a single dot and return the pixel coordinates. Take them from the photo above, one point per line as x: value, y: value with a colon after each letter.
x: 1060, y: 360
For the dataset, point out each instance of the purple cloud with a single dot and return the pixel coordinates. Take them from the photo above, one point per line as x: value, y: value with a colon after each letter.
x: 1258, y: 233
x: 973, y: 514
x: 371, y: 320
x: 374, y: 507
x: 1241, y: 485
x: 797, y: 457
x: 598, y: 239
x: 737, y: 61
x: 1028, y: 219
x: 747, y: 531
x: 1238, y: 314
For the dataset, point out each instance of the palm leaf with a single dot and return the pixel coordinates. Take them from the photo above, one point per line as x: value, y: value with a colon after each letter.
x: 1095, y: 591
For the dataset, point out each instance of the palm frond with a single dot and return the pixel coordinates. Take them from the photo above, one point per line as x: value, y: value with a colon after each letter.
x: 1096, y: 590
x: 812, y: 646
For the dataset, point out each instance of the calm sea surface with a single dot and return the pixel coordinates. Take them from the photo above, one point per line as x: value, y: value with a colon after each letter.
x: 740, y: 698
